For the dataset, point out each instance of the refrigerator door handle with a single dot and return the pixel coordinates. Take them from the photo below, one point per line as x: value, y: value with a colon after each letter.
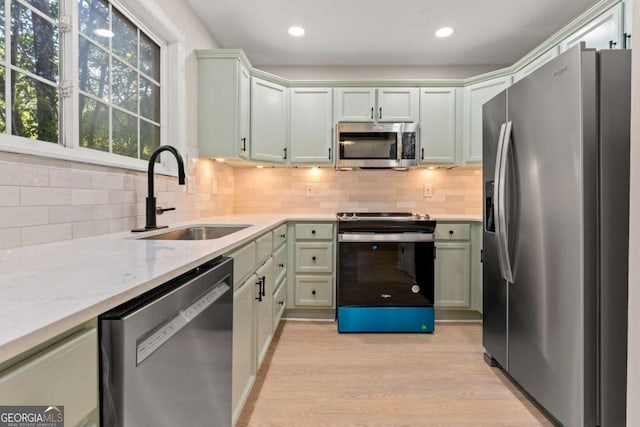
x: 496, y: 193
x: 501, y: 216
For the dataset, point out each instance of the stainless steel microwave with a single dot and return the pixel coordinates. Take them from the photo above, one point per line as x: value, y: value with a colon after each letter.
x: 377, y: 145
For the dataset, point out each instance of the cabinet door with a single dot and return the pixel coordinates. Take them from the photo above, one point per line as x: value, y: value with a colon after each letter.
x: 268, y: 121
x: 244, y: 357
x: 599, y: 33
x: 474, y: 97
x: 264, y: 310
x: 311, y: 125
x: 438, y: 125
x: 452, y: 279
x: 355, y: 104
x: 244, y: 104
x: 279, y: 302
x: 64, y: 374
x: 222, y: 107
x: 398, y: 104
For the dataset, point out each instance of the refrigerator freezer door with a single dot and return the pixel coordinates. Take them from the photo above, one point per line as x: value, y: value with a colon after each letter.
x: 494, y: 290
x: 552, y: 223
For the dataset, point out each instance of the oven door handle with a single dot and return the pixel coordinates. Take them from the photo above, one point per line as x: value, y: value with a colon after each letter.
x: 385, y: 237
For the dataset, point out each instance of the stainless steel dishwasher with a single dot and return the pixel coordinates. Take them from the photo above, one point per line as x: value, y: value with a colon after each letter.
x: 165, y: 356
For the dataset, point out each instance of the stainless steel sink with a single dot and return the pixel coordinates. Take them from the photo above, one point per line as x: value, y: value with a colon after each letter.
x: 198, y: 232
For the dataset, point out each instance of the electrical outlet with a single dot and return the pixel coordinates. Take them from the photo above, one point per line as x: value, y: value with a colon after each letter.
x: 191, y: 184
x: 428, y: 190
x: 308, y: 190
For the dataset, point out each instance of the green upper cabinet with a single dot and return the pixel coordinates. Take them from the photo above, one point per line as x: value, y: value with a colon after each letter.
x: 223, y: 107
x: 475, y: 96
x: 604, y: 32
x: 440, y: 124
x: 393, y: 104
x: 269, y: 118
x: 311, y: 125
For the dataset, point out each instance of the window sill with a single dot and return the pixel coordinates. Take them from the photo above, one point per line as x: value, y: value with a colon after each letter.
x: 19, y: 145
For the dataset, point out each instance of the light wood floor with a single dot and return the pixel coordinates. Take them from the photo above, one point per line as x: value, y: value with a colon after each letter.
x: 313, y: 376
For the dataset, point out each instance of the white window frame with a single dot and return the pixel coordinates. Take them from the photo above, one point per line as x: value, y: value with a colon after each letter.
x: 155, y: 23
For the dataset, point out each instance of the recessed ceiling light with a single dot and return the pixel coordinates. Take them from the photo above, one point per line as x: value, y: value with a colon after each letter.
x: 444, y: 32
x: 296, y: 31
x: 103, y: 32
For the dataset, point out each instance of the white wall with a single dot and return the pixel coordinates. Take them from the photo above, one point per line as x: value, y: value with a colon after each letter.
x: 377, y: 72
x: 633, y: 376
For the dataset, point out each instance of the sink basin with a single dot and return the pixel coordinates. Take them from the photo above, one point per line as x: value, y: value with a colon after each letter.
x: 198, y: 232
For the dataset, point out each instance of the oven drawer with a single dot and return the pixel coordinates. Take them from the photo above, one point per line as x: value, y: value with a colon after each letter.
x: 312, y: 257
x: 453, y: 231
x: 314, y: 231
x: 314, y: 291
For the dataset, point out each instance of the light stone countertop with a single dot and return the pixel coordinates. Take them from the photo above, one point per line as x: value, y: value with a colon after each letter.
x: 49, y: 289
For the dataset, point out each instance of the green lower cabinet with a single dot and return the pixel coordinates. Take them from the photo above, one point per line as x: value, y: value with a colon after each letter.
x: 452, y: 275
x: 244, y: 361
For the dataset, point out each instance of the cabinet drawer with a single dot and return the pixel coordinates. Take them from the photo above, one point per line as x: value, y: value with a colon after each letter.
x: 314, y: 257
x: 314, y: 231
x: 452, y: 231
x: 265, y: 246
x: 279, y: 302
x: 280, y: 263
x: 65, y: 374
x: 279, y: 236
x: 314, y: 291
x: 244, y: 262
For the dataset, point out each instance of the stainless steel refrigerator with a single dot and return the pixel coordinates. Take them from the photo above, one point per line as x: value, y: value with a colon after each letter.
x: 555, y: 254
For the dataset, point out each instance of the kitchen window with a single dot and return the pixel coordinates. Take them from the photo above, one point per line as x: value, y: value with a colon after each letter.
x: 87, y: 80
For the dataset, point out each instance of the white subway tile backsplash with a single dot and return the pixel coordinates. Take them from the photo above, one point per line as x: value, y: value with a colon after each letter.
x: 44, y: 196
x: 89, y: 197
x: 18, y: 174
x: 90, y: 228
x: 64, y: 214
x: 108, y: 181
x: 9, y: 238
x: 9, y: 196
x: 21, y: 216
x: 45, y: 234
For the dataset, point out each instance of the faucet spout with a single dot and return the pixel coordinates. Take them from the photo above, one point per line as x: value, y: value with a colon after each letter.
x: 151, y: 200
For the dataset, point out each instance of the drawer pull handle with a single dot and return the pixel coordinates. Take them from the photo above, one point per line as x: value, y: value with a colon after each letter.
x: 259, y: 285
x: 313, y: 258
x: 281, y: 302
x: 313, y: 292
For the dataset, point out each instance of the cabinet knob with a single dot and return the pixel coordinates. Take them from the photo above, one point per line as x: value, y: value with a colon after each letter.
x: 281, y: 265
x: 283, y: 236
x: 313, y: 231
x: 281, y: 302
x: 313, y: 258
x: 450, y: 232
x: 313, y: 292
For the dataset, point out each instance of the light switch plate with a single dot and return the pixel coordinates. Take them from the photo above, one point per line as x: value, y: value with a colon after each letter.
x: 428, y: 190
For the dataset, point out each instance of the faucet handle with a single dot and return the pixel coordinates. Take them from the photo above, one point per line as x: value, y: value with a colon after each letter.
x: 160, y: 210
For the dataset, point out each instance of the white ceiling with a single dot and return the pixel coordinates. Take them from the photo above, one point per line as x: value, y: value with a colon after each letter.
x: 385, y: 32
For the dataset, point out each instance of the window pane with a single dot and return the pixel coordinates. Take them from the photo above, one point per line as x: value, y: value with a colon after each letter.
x: 3, y: 120
x: 36, y: 43
x: 94, y: 69
x: 125, y: 39
x: 48, y: 7
x: 124, y: 85
x: 149, y: 139
x: 94, y: 124
x: 125, y: 134
x: 35, y: 109
x: 149, y: 100
x: 149, y: 57
x: 94, y: 15
x: 2, y: 43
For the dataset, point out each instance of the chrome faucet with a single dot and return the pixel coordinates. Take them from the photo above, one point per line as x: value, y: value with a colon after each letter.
x: 151, y: 209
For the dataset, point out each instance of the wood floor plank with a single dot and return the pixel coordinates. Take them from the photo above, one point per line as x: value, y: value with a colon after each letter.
x: 314, y: 376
